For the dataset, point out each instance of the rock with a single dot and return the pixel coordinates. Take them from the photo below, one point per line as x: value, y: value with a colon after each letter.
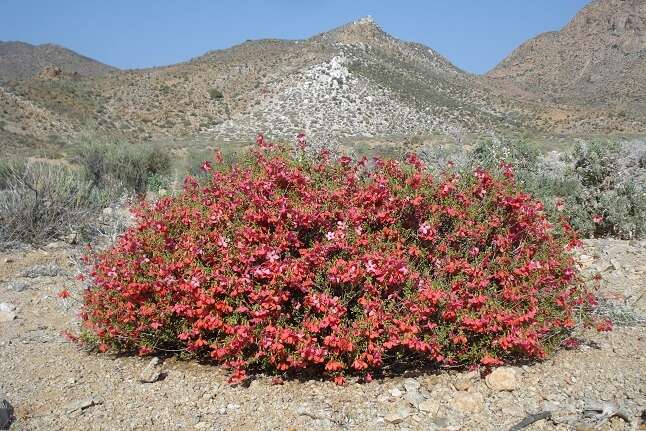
x: 7, y: 316
x: 49, y: 270
x: 58, y: 244
x: 411, y: 385
x: 82, y: 404
x: 414, y: 398
x: 468, y: 402
x: 399, y: 413
x: 7, y: 313
x: 18, y: 285
x: 615, y: 265
x: 502, y: 379
x: 6, y: 414
x: 512, y: 409
x: 463, y: 384
x: 429, y: 406
x: 441, y: 424
x: 107, y: 211
x: 396, y: 393
x: 152, y: 372
x: 71, y: 239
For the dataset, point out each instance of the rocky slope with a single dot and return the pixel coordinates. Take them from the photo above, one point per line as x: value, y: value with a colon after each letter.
x: 53, y: 384
x: 599, y: 58
x: 355, y: 81
x: 19, y: 60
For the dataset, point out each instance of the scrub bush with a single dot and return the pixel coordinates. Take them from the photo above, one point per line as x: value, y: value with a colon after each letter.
x: 293, y: 264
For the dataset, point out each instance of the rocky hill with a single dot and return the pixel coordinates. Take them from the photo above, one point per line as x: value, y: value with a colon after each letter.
x: 19, y: 60
x: 597, y: 59
x: 355, y: 81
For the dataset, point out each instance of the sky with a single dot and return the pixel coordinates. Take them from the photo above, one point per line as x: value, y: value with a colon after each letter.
x: 473, y: 34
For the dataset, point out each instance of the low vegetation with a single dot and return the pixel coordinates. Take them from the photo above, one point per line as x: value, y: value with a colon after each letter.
x: 133, y: 167
x: 215, y: 94
x: 599, y: 186
x: 321, y: 265
x: 41, y: 201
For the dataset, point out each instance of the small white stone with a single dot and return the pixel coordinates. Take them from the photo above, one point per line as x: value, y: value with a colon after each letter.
x: 396, y: 392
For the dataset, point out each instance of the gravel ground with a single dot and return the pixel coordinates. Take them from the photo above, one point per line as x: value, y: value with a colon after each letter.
x: 53, y: 385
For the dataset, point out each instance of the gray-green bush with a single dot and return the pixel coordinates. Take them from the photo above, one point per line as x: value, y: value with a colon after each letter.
x: 130, y: 165
x: 41, y: 201
x: 599, y: 183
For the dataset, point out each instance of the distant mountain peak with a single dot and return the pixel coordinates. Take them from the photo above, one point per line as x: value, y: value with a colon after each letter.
x: 20, y: 60
x: 362, y: 30
x: 597, y: 57
x: 366, y: 20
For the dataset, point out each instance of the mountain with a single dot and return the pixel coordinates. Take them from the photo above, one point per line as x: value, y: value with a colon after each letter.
x: 353, y: 82
x: 19, y: 60
x: 597, y: 59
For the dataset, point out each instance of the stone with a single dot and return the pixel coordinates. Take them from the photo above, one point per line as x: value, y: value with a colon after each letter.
x: 414, y: 398
x: 82, y: 404
x: 7, y: 316
x: 396, y: 393
x: 152, y: 372
x: 7, y: 312
x: 615, y: 265
x: 502, y: 379
x: 463, y: 384
x: 6, y: 414
x: 411, y: 385
x: 399, y: 413
x: 18, y: 285
x: 429, y: 406
x: 49, y: 270
x: 5, y: 306
x: 468, y: 402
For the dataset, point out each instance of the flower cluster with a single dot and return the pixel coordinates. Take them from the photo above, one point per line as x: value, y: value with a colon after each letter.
x: 297, y: 264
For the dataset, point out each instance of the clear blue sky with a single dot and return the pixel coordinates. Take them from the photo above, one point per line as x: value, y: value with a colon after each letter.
x: 474, y: 34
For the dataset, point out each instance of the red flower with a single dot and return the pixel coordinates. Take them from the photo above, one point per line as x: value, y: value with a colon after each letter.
x: 64, y: 294
x: 490, y: 360
x: 319, y: 265
x: 604, y: 326
x: 597, y: 218
x: 206, y: 166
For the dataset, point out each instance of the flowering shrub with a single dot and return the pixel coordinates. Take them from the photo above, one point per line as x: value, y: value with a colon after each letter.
x: 317, y: 265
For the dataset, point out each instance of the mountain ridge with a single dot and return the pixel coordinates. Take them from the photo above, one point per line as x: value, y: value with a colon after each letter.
x: 21, y: 60
x: 354, y: 81
x: 598, y: 58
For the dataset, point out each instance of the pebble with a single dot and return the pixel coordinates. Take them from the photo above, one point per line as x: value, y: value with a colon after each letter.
x: 414, y: 398
x: 396, y: 393
x: 49, y: 270
x: 502, y: 379
x: 152, y: 372
x: 463, y: 384
x: 195, y: 394
x: 429, y: 406
x: 18, y: 285
x: 399, y: 413
x: 411, y: 385
x: 7, y: 312
x: 468, y: 402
